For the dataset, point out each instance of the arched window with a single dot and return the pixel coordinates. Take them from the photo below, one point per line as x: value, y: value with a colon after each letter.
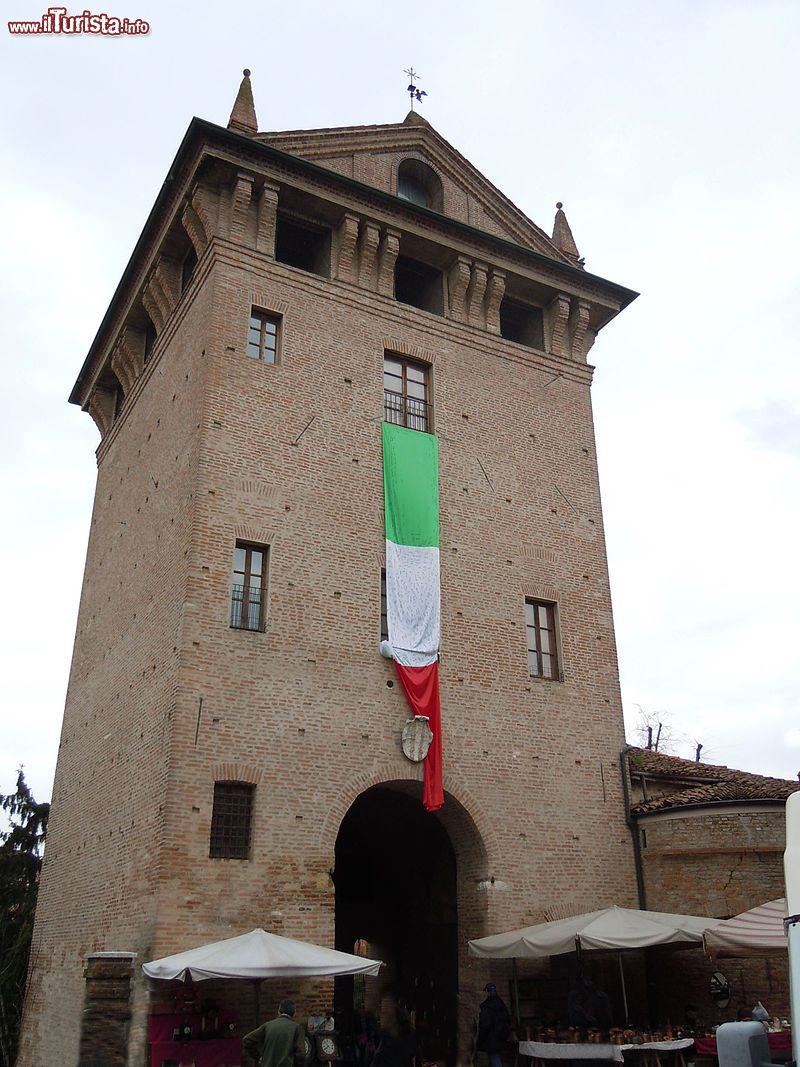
x: 419, y: 184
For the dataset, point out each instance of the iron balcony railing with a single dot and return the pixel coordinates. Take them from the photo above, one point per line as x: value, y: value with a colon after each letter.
x: 406, y: 411
x: 246, y: 616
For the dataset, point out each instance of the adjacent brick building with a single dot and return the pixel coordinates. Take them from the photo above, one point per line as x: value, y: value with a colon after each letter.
x: 230, y: 754
x: 709, y: 841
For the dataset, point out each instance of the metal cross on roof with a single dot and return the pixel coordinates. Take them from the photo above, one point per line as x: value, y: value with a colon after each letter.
x: 413, y: 92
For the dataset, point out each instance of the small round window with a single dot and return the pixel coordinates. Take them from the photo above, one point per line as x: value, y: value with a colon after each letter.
x: 419, y: 184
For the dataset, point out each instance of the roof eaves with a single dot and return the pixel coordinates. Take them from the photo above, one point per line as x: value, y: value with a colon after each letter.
x: 202, y: 127
x: 641, y: 810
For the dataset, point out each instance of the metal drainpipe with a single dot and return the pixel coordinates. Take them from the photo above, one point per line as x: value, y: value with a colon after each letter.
x: 634, y: 829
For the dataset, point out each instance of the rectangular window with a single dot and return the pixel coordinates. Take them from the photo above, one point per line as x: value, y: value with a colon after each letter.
x: 384, y: 614
x: 249, y: 588
x: 540, y: 623
x: 419, y: 285
x: 303, y: 245
x: 231, y: 820
x: 263, y: 336
x: 522, y: 323
x: 406, y: 399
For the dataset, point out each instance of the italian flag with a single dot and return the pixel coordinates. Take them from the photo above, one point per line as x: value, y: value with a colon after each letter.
x: 411, y: 500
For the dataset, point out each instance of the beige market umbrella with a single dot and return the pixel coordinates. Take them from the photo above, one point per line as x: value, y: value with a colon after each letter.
x: 612, y: 929
x: 757, y: 932
x: 258, y: 955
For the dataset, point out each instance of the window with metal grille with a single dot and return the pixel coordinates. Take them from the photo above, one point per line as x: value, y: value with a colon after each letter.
x: 406, y: 393
x: 384, y: 615
x: 540, y: 624
x: 231, y: 820
x: 263, y: 336
x: 249, y: 588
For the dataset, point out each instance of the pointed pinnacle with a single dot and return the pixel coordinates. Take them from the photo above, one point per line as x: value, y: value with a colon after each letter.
x: 243, y: 117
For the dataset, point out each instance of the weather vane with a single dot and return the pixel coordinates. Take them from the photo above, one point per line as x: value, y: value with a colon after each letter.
x: 412, y: 90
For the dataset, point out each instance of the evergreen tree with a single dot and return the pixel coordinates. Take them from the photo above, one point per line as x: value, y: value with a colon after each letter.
x: 21, y: 848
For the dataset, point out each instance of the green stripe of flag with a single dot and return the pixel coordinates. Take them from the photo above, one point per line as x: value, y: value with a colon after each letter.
x: 411, y: 486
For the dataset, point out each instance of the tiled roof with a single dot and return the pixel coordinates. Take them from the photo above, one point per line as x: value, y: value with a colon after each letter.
x: 715, y: 783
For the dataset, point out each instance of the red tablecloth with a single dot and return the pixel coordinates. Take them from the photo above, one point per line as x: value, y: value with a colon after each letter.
x: 199, y: 1053
x: 780, y: 1042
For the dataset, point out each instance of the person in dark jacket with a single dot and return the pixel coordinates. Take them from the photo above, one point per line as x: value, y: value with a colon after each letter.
x: 278, y: 1043
x: 494, y: 1026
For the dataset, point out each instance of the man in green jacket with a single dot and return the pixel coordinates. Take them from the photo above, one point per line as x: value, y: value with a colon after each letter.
x: 278, y: 1043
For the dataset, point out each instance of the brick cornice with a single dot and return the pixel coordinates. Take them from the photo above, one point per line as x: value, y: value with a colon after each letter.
x: 205, y: 142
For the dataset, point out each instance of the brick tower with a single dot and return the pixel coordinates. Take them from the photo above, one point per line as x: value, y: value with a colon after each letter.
x: 230, y: 754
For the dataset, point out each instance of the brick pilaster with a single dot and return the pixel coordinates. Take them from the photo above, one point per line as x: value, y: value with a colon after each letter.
x: 367, y: 248
x: 558, y: 314
x: 475, y: 294
x: 267, y: 219
x: 106, y: 1011
x: 457, y: 282
x: 240, y: 205
x: 345, y: 248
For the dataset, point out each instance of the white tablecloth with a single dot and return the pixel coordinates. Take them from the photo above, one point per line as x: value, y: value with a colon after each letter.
x: 661, y: 1046
x: 553, y: 1050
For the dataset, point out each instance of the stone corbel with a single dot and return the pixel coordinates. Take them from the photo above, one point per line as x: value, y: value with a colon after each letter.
x: 495, y: 291
x: 127, y: 357
x: 206, y: 206
x: 240, y: 205
x: 161, y: 291
x: 267, y: 219
x: 387, y: 257
x: 457, y: 282
x: 164, y: 288
x: 475, y: 294
x: 580, y: 333
x: 195, y: 230
x: 151, y: 305
x: 346, y: 240
x: 367, y: 248
x: 101, y: 408
x: 558, y: 314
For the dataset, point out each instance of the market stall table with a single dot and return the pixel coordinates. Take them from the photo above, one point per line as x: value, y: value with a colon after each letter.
x: 219, y: 1051
x: 649, y: 1050
x: 781, y: 1041
x: 556, y: 1050
x: 226, y: 1053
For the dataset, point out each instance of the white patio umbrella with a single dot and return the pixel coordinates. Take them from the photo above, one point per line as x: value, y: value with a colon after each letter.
x: 259, y: 955
x: 609, y: 929
x: 757, y: 932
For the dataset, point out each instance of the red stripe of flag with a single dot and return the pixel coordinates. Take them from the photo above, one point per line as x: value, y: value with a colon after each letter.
x: 421, y: 687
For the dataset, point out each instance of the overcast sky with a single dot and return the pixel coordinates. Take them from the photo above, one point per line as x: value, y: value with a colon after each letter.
x: 669, y: 131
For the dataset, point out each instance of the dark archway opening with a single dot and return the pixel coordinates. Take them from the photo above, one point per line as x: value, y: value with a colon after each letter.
x: 396, y: 889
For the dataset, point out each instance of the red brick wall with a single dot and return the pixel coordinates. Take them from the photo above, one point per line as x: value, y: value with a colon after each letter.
x: 718, y: 862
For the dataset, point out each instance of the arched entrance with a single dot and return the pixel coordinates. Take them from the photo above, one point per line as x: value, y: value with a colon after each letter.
x: 399, y: 872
